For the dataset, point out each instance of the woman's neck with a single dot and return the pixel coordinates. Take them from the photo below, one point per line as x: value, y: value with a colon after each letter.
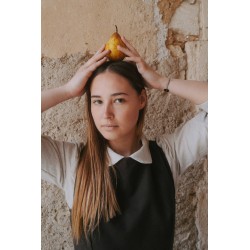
x: 125, y: 147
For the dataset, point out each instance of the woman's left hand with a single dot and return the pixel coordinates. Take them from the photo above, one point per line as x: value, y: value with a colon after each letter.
x: 152, y: 78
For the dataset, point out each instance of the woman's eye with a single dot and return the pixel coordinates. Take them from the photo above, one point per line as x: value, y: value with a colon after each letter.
x: 119, y: 100
x: 97, y: 102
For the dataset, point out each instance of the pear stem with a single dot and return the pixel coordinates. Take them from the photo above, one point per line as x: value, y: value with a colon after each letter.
x: 116, y: 29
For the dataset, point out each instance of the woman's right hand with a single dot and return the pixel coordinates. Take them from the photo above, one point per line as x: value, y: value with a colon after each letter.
x: 76, y: 86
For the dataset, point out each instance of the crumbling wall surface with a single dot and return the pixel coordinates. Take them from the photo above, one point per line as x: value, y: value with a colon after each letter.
x: 172, y: 37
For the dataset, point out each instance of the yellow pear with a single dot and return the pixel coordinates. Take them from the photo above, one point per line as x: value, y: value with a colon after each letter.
x: 114, y: 40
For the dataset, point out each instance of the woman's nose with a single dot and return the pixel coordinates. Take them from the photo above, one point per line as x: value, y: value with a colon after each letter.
x: 108, y: 111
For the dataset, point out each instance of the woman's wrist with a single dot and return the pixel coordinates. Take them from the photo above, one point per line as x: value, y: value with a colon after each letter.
x: 67, y: 90
x: 164, y: 83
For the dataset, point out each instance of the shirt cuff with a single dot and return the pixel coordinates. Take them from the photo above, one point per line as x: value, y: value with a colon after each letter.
x: 203, y: 106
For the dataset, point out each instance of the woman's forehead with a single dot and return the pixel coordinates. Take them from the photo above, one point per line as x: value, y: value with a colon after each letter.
x: 109, y: 81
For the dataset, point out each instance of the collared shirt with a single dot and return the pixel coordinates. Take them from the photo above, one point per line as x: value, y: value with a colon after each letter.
x: 142, y: 155
x: 182, y: 148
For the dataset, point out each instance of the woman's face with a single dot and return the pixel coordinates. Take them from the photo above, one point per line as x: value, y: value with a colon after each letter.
x: 115, y: 106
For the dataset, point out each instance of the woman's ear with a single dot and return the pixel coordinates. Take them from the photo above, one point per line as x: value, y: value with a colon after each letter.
x: 143, y: 98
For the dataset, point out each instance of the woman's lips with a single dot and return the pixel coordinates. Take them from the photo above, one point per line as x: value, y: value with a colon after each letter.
x: 109, y: 126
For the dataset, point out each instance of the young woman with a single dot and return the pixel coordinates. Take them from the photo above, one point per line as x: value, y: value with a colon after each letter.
x: 119, y: 186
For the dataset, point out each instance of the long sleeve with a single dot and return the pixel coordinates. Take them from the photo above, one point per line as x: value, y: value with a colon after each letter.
x: 188, y: 143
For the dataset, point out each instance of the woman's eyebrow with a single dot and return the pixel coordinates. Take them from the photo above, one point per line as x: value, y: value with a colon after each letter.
x: 115, y: 94
x: 119, y: 93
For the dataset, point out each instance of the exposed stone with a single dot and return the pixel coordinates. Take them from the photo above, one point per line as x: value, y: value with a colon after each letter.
x: 197, y: 60
x: 202, y: 210
x: 186, y: 232
x: 203, y: 20
x: 56, y: 228
x: 176, y: 51
x: 167, y: 9
x: 191, y: 1
x: 179, y: 39
x: 186, y: 19
x: 175, y: 38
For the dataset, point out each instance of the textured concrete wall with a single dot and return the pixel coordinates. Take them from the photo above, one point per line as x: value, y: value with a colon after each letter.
x: 172, y: 37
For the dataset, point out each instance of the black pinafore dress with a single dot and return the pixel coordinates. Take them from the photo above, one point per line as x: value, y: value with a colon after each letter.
x: 146, y: 195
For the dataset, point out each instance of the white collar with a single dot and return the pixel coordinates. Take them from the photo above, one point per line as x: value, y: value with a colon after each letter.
x: 142, y: 155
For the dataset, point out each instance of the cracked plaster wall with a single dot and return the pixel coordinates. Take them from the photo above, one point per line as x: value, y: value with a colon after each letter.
x: 172, y: 37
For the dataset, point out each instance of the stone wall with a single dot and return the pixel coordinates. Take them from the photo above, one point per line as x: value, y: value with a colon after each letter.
x: 171, y: 35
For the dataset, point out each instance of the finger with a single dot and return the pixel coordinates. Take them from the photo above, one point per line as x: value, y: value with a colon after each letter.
x: 129, y: 45
x: 98, y: 56
x: 94, y: 59
x: 126, y: 51
x: 102, y: 54
x: 135, y: 59
x: 100, y: 49
x: 95, y: 65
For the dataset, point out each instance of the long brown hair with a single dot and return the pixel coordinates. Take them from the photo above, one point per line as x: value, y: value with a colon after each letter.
x: 94, y: 197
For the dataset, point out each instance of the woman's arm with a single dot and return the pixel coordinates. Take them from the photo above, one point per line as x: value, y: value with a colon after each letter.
x: 52, y: 97
x: 195, y: 91
x: 75, y: 87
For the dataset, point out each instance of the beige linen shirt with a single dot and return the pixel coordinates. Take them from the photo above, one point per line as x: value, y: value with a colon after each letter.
x: 186, y: 145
